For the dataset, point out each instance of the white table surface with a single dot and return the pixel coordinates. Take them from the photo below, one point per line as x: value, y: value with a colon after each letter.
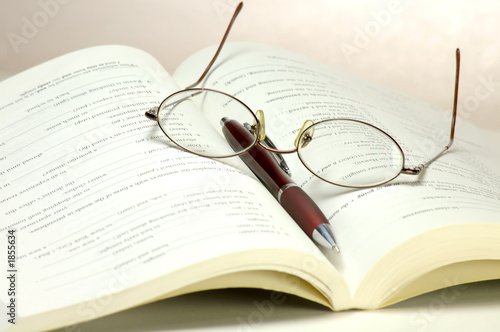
x: 472, y: 307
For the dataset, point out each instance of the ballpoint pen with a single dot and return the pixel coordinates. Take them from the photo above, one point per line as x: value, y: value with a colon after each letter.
x: 292, y: 198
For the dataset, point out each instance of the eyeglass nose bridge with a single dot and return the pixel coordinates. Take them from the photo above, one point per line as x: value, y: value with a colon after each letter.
x: 304, y: 136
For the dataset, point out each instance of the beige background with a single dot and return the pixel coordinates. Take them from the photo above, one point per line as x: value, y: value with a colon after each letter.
x: 406, y: 45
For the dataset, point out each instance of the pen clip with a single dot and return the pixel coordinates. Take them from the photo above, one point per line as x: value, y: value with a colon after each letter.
x: 279, y: 158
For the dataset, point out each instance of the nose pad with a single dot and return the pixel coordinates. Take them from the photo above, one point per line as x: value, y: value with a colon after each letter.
x: 262, y: 132
x: 259, y: 126
x: 305, y: 134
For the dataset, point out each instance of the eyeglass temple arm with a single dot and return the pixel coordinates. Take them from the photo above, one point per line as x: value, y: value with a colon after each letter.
x: 152, y: 112
x: 416, y: 170
x: 236, y: 12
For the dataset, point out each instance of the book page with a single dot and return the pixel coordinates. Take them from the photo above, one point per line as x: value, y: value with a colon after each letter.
x: 101, y: 201
x: 463, y: 186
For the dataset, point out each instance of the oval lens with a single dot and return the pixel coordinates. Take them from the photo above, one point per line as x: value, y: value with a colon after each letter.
x: 352, y: 153
x: 192, y: 120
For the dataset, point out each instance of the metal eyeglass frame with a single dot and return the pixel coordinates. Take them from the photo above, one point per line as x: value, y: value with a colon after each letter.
x: 304, y: 134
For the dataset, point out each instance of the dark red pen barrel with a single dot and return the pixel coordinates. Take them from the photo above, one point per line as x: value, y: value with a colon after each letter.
x: 258, y: 159
x: 294, y: 200
x: 302, y: 209
x: 238, y: 137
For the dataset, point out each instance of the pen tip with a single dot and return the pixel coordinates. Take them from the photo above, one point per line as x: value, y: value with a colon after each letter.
x: 323, y: 235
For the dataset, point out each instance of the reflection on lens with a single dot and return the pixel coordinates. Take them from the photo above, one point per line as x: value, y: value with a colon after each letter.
x: 191, y: 119
x: 352, y: 153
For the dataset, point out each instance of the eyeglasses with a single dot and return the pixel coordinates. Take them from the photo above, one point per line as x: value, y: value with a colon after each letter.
x: 341, y: 151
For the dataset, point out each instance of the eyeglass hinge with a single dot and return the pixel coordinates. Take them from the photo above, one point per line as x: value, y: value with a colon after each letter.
x: 152, y: 113
x: 413, y: 171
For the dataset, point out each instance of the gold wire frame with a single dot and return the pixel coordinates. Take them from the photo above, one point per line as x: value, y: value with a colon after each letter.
x: 173, y: 100
x: 305, y: 132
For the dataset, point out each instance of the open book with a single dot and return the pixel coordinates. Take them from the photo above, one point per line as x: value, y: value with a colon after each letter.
x: 105, y: 213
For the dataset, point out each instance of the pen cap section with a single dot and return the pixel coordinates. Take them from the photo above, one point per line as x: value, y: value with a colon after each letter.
x: 191, y: 119
x: 259, y: 160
